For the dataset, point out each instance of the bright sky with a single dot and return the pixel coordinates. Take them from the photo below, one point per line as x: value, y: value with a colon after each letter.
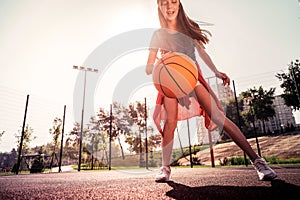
x: 41, y: 41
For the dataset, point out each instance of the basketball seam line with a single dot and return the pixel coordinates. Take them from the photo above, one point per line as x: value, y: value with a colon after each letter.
x: 160, y: 83
x: 175, y: 80
x: 183, y: 67
x: 164, y: 65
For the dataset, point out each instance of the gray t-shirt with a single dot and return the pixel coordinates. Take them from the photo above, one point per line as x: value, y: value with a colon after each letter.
x: 168, y: 40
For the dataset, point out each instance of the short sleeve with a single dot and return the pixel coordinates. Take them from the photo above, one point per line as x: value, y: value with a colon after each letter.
x: 154, y: 44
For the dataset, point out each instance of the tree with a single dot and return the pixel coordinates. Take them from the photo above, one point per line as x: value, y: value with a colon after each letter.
x: 55, y: 131
x: 73, y: 136
x: 7, y: 160
x: 136, y: 143
x: 139, y: 113
x: 72, y: 142
x: 104, y: 127
x: 28, y: 137
x: 92, y: 135
x: 261, y: 103
x: 97, y: 138
x: 231, y: 113
x: 122, y: 123
x: 101, y: 124
x: 290, y: 83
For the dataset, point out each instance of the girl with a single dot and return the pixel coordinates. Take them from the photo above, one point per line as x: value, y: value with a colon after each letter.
x: 180, y: 33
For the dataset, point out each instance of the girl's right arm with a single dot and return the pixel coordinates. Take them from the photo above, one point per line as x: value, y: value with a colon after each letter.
x: 206, y: 58
x: 151, y: 61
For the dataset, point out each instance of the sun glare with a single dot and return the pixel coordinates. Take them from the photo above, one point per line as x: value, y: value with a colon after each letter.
x: 120, y: 75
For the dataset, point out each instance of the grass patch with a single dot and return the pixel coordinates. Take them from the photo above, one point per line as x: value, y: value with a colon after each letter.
x: 273, y: 160
x: 239, y: 160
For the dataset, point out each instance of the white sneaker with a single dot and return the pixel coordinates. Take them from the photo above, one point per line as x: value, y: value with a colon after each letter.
x: 265, y: 173
x: 163, y: 175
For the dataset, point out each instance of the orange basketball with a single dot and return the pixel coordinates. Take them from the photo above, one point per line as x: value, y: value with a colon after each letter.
x: 175, y: 75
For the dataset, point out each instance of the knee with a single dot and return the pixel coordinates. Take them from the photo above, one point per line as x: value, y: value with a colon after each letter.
x: 218, y: 117
x: 171, y: 123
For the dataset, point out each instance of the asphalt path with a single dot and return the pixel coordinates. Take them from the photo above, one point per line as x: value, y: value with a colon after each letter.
x: 197, y: 183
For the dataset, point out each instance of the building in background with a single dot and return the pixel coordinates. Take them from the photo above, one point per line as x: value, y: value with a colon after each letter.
x: 283, y: 118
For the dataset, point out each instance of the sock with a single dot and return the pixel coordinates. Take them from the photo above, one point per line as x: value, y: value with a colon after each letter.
x: 166, y: 154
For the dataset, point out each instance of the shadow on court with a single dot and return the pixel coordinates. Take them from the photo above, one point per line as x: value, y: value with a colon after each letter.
x: 279, y: 190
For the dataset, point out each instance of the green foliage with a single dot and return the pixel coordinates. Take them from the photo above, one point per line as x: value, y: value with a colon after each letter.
x: 260, y: 105
x: 27, y: 138
x: 138, y: 144
x: 138, y: 113
x: 55, y: 131
x: 73, y: 136
x: 271, y: 160
x: 276, y: 160
x: 290, y: 83
x: 289, y: 161
x: 196, y: 160
x: 254, y: 104
x: 261, y: 102
x: 238, y: 160
x: 231, y: 113
x: 122, y: 123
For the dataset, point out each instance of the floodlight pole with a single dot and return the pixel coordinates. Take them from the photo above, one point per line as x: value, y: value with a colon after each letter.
x: 85, y: 69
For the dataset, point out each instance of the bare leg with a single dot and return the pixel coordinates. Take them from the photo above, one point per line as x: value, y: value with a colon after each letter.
x: 169, y: 128
x: 218, y: 117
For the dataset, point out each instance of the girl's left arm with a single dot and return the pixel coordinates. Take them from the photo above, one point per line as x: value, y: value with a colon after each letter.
x: 151, y: 61
x: 206, y: 58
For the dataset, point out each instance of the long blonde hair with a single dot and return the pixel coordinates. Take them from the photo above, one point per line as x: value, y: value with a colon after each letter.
x: 189, y: 26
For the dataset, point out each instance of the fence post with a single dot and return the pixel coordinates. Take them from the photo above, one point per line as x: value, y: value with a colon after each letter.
x: 22, y: 137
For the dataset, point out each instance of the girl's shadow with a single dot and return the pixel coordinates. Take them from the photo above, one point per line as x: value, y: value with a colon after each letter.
x: 279, y: 190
